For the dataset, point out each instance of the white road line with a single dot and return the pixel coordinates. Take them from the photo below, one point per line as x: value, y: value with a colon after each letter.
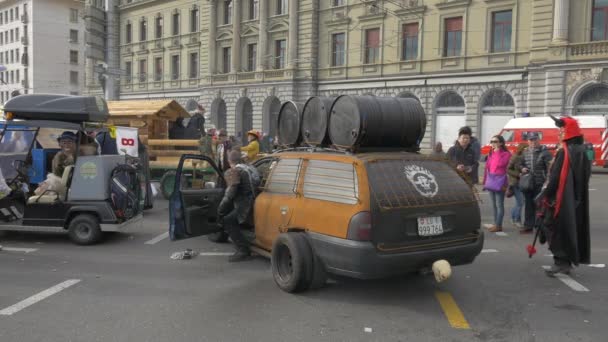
x: 592, y: 189
x: 489, y: 251
x: 502, y: 234
x: 38, y: 297
x: 571, y: 283
x: 16, y: 249
x: 158, y: 239
x: 215, y: 254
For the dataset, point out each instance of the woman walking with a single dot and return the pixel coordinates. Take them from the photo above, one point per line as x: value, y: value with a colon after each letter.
x: 514, y: 171
x: 495, y: 179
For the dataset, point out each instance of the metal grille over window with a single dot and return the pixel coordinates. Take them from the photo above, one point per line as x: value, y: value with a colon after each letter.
x: 416, y: 183
x: 284, y: 178
x: 331, y: 181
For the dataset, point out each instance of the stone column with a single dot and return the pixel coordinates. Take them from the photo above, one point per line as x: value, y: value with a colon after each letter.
x: 236, y: 36
x: 263, y: 36
x: 211, y: 49
x: 293, y: 34
x: 560, y: 21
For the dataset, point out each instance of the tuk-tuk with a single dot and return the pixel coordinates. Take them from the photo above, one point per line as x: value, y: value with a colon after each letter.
x: 95, y: 194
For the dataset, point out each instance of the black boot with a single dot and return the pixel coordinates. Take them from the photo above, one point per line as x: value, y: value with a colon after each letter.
x: 561, y: 266
x: 240, y: 255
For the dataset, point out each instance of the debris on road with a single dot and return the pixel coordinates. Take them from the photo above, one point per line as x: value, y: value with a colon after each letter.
x: 187, y: 254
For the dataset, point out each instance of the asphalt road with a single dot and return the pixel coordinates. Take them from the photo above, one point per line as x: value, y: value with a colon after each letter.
x: 127, y: 290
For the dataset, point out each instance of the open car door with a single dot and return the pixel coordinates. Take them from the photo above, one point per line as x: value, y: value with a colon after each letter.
x: 199, y: 188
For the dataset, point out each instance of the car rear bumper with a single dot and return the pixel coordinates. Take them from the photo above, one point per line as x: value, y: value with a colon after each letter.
x: 133, y: 222
x: 361, y: 259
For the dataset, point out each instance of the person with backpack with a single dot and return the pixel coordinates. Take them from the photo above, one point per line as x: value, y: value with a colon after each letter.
x: 236, y: 208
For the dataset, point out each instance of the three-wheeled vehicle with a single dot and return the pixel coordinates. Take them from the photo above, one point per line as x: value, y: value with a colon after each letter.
x: 98, y: 193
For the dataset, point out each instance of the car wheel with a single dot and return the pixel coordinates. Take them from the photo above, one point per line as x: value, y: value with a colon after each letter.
x: 218, y: 237
x: 292, y: 262
x: 319, y: 275
x: 167, y: 184
x: 84, y: 229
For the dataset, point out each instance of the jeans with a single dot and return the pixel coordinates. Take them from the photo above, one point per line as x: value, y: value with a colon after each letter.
x: 233, y: 228
x: 498, y: 204
x: 519, y: 204
x: 530, y: 210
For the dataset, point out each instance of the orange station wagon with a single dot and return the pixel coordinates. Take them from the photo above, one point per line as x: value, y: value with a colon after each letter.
x: 320, y: 212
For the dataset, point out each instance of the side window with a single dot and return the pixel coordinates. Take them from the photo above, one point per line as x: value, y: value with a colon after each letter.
x: 198, y: 175
x: 284, y: 176
x: 508, y: 135
x: 264, y: 167
x: 524, y: 135
x: 331, y: 181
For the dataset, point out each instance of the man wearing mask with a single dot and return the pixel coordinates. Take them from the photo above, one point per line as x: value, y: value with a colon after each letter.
x: 567, y: 193
x: 536, y: 162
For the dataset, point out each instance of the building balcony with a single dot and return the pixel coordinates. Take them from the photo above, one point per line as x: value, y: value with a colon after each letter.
x: 590, y: 49
x: 279, y: 73
x: 24, y: 18
x: 246, y: 76
x: 220, y: 78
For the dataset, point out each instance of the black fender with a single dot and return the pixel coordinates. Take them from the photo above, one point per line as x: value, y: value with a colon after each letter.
x: 102, y: 210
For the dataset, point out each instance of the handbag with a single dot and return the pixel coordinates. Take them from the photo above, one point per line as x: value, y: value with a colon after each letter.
x: 526, y: 182
x: 509, y: 192
x: 496, y: 182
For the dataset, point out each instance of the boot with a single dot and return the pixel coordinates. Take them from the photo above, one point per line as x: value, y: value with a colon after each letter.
x: 558, y: 268
x: 240, y: 255
x: 495, y: 229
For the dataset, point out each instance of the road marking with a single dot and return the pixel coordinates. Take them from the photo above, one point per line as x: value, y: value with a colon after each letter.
x: 571, y: 283
x: 489, y: 251
x: 592, y: 189
x: 157, y: 239
x: 38, y: 297
x: 502, y: 234
x: 215, y: 254
x: 16, y: 249
x: 597, y: 265
x: 452, y: 311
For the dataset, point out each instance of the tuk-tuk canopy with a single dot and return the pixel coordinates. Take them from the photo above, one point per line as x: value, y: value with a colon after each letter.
x: 48, y: 107
x: 147, y: 109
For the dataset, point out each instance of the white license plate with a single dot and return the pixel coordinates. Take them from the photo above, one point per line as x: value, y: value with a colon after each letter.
x: 430, y: 226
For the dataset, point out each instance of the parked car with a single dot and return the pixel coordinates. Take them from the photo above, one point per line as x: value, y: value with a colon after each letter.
x: 369, y: 215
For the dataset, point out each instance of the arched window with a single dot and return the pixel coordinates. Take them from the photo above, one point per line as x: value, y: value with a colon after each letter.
x: 497, y: 109
x: 449, y: 117
x: 593, y: 101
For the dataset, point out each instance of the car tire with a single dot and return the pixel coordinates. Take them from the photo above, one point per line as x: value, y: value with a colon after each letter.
x: 319, y: 274
x: 84, y: 229
x: 218, y: 237
x: 292, y: 262
x: 167, y: 184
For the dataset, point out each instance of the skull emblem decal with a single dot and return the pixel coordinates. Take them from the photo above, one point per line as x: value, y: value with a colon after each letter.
x: 422, y: 179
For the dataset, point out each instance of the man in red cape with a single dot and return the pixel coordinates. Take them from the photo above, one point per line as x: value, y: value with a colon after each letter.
x: 567, y: 190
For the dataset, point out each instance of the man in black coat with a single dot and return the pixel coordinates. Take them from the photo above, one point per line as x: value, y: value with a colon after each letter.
x: 567, y: 191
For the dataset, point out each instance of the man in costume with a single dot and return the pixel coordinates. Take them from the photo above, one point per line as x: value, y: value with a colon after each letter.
x: 567, y: 197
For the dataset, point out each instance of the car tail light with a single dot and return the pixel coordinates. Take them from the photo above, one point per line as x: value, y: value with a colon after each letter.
x: 360, y: 227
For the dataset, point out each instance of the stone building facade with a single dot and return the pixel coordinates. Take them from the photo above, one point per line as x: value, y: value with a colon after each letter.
x: 473, y: 62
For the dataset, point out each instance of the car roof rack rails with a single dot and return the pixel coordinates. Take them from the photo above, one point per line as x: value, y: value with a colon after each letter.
x: 312, y: 149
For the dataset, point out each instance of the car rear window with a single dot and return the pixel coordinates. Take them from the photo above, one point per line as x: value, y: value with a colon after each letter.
x: 284, y: 177
x: 331, y: 181
x: 416, y: 182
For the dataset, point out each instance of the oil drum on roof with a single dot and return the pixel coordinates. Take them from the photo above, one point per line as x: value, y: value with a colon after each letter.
x: 290, y: 121
x: 315, y: 120
x: 376, y: 122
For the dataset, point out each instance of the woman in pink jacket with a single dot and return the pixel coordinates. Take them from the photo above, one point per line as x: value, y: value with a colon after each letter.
x: 495, y: 179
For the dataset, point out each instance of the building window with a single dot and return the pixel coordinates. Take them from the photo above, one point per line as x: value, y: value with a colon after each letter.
x: 194, y: 19
x: 18, y: 76
x: 175, y: 67
x: 501, y: 31
x: 336, y: 3
x: 128, y: 33
x: 143, y: 30
x: 372, y: 46
x: 449, y: 114
x: 158, y: 69
x: 254, y: 8
x: 158, y: 27
x: 128, y: 71
x: 74, y: 78
x: 280, y: 50
x: 16, y: 13
x: 12, y: 36
x: 251, y: 56
x: 497, y: 108
x: 143, y: 70
x: 12, y: 17
x: 226, y: 57
x: 281, y: 6
x: 175, y: 24
x: 599, y: 30
x: 227, y: 12
x: 17, y: 34
x: 12, y: 56
x: 1, y: 18
x: 73, y: 36
x: 73, y: 56
x: 453, y: 37
x: 193, y: 72
x: 73, y: 15
x: 17, y: 56
x: 410, y: 42
x: 1, y: 39
x: 337, y: 49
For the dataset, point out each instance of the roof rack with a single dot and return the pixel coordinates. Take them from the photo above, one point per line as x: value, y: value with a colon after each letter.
x: 312, y: 149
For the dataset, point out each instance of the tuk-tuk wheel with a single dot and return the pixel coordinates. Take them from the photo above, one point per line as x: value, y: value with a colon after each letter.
x: 218, y: 237
x: 84, y: 229
x: 167, y: 184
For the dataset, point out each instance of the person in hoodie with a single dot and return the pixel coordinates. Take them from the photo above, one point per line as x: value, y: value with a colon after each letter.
x: 463, y: 156
x: 496, y: 167
x: 476, y: 146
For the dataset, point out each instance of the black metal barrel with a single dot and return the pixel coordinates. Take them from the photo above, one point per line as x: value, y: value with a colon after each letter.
x: 290, y: 121
x: 376, y: 122
x: 315, y: 120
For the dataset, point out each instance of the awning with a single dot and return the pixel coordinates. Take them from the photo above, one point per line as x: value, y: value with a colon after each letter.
x: 145, y: 109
